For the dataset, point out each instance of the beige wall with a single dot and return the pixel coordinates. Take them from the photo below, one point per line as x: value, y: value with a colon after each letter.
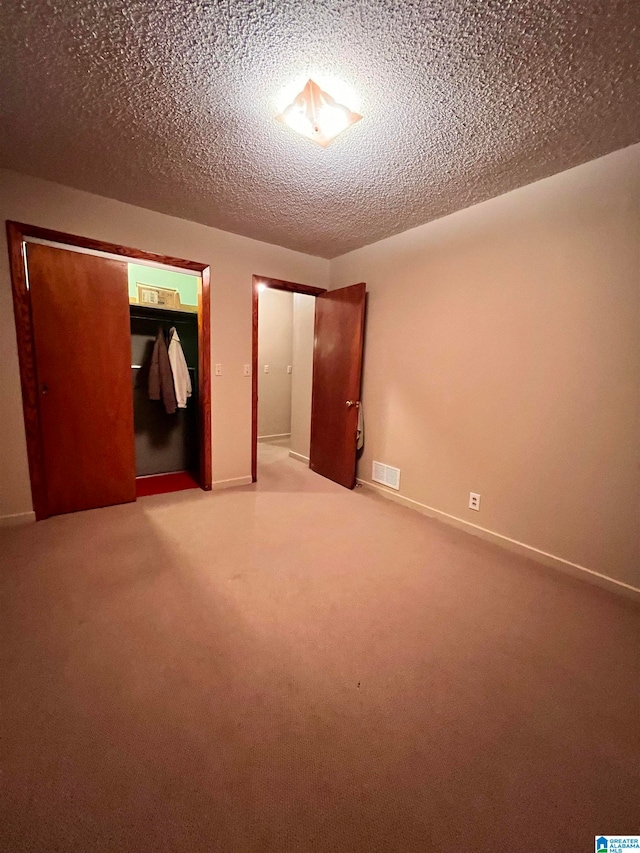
x: 275, y: 349
x: 304, y: 308
x: 233, y: 260
x: 502, y: 356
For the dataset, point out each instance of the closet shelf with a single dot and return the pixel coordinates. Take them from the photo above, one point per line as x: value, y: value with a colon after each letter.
x: 163, y: 315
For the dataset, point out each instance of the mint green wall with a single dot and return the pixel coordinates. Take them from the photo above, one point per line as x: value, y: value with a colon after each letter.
x: 187, y: 285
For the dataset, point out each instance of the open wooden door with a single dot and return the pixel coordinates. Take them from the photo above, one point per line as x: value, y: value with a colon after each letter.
x: 337, y: 370
x: 80, y: 311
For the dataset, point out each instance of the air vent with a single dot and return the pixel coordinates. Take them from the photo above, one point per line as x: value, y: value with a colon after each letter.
x: 386, y: 474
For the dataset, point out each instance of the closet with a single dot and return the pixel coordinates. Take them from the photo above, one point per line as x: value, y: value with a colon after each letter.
x: 86, y: 334
x: 164, y: 443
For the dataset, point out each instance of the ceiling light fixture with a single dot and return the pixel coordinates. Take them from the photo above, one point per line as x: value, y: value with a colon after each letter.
x: 316, y: 115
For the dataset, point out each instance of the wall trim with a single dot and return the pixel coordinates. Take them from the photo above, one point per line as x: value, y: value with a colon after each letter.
x: 298, y: 456
x: 230, y: 484
x: 17, y: 518
x: 276, y: 435
x: 550, y: 560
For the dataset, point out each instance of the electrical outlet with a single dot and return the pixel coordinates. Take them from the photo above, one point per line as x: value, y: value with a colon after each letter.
x: 266, y: 368
x: 474, y: 501
x: 218, y: 370
x: 247, y: 370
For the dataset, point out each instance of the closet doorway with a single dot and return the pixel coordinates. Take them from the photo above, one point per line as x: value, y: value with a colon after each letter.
x: 87, y: 314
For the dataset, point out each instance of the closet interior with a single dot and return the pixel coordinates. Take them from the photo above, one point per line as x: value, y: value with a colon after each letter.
x: 167, y: 448
x: 164, y: 442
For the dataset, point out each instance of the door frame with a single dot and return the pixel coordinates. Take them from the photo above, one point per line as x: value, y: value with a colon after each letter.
x: 274, y: 284
x: 17, y: 233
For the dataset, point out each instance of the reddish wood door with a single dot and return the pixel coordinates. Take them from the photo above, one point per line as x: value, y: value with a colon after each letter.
x: 337, y: 370
x: 80, y: 310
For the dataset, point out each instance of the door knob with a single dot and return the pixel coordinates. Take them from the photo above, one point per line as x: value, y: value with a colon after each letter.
x: 44, y: 389
x: 352, y: 403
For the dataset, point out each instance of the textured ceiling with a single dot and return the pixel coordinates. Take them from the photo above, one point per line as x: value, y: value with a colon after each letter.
x: 170, y: 104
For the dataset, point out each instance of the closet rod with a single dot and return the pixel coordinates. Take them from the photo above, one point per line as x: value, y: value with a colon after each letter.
x: 139, y: 367
x: 169, y: 322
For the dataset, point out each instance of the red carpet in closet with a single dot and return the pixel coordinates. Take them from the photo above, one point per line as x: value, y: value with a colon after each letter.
x: 159, y: 484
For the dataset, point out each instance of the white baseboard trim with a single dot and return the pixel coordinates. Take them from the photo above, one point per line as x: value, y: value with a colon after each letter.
x: 298, y: 456
x: 230, y: 484
x: 271, y: 437
x: 551, y: 560
x: 17, y: 518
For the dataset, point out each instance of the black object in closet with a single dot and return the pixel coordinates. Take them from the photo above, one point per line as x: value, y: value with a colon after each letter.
x: 163, y: 443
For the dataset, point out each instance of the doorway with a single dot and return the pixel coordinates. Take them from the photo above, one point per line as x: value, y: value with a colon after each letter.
x: 80, y: 431
x: 314, y: 413
x: 285, y: 375
x: 282, y: 370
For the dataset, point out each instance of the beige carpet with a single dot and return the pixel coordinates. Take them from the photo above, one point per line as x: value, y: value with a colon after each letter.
x: 295, y: 667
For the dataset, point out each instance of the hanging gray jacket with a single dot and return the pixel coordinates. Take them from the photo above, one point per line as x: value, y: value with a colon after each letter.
x: 160, y: 377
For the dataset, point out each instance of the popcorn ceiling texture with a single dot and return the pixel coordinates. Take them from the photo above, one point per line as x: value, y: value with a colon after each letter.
x: 170, y: 105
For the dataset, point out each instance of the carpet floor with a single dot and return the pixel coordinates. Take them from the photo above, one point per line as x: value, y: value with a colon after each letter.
x: 291, y: 666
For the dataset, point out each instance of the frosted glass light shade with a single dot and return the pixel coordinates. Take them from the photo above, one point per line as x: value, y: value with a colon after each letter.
x: 316, y: 115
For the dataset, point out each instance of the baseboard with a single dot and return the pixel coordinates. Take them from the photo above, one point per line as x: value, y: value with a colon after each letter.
x: 551, y: 560
x: 230, y: 484
x: 298, y: 456
x: 17, y: 519
x: 272, y: 437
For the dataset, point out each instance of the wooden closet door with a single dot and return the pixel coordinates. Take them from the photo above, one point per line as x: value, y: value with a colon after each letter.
x: 80, y: 311
x: 337, y: 370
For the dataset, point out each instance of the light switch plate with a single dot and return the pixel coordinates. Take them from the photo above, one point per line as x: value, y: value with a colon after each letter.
x: 247, y: 370
x: 266, y: 368
x: 218, y: 370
